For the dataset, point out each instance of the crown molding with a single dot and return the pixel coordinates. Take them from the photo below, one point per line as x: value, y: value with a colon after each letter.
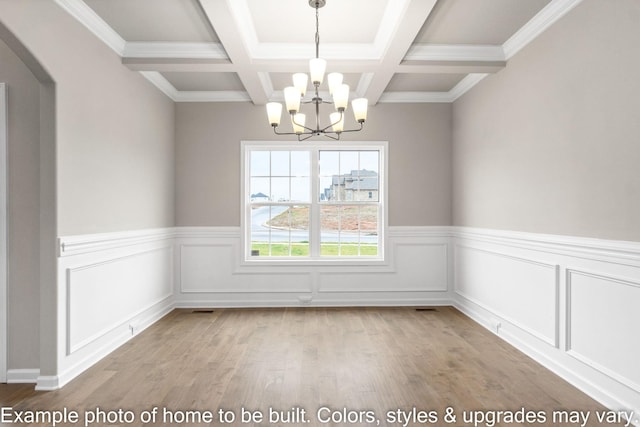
x: 465, y: 85
x: 434, y: 97
x: 414, y: 97
x: 540, y: 22
x: 161, y: 83
x: 87, y: 17
x: 212, y: 96
x: 175, y: 95
x: 440, y: 52
x: 174, y: 50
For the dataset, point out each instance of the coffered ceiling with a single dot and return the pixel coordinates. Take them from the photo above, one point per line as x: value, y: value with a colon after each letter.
x: 246, y: 50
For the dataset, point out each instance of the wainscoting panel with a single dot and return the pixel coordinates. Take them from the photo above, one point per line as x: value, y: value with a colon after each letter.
x: 211, y: 273
x: 110, y: 287
x: 604, y: 325
x: 419, y: 267
x: 519, y: 290
x: 102, y: 295
x: 210, y: 269
x: 570, y: 303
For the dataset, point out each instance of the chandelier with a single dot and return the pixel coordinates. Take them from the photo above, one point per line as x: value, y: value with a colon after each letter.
x: 295, y: 95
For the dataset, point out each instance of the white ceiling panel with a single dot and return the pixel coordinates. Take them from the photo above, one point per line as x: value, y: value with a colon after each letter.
x: 199, y: 81
x: 477, y: 22
x: 294, y: 21
x: 155, y: 20
x: 424, y: 82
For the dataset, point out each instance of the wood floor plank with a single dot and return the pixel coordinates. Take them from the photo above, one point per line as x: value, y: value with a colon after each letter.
x: 286, y: 360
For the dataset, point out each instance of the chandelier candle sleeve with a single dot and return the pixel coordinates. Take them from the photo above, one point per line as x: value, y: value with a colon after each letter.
x: 317, y: 66
x: 360, y: 109
x: 292, y: 98
x: 297, y: 120
x: 274, y: 111
x: 300, y: 82
x: 337, y: 120
x: 341, y: 97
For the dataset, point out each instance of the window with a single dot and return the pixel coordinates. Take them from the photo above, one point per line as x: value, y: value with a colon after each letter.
x: 313, y: 201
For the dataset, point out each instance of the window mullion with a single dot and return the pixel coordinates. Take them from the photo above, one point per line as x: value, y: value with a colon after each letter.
x: 314, y: 210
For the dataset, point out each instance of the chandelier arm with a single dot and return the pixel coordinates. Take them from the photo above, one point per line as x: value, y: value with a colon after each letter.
x: 324, y: 130
x: 289, y: 133
x: 293, y: 119
x: 355, y: 130
x: 328, y: 135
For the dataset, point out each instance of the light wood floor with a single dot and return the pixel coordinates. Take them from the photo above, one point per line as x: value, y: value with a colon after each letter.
x: 372, y: 359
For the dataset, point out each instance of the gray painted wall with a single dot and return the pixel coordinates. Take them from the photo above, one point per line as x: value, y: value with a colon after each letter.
x: 551, y: 143
x: 115, y: 131
x: 23, y: 206
x: 208, y: 159
x: 93, y: 155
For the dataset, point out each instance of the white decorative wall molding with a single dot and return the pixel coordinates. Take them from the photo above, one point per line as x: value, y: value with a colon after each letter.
x: 210, y: 270
x: 87, y: 243
x: 110, y: 287
x: 522, y: 291
x: 595, y: 295
x: 568, y: 302
x: 616, y: 251
x: 600, y: 335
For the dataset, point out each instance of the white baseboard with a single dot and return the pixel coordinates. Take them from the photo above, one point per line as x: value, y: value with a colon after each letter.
x: 22, y: 376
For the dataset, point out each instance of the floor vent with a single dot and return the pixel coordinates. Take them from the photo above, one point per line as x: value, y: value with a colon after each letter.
x: 426, y: 309
x: 202, y: 311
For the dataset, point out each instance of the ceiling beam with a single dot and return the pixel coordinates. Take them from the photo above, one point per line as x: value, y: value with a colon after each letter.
x: 219, y: 14
x: 400, y: 41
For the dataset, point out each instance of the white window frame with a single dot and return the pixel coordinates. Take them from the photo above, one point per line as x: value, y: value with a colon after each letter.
x: 314, y: 229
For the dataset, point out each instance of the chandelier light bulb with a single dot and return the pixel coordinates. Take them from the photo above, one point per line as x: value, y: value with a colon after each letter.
x: 292, y: 99
x: 297, y: 120
x: 337, y: 120
x: 341, y: 97
x: 317, y: 66
x: 274, y: 112
x: 300, y: 82
x: 359, y: 106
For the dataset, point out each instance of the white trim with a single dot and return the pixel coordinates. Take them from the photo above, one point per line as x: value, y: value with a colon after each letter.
x: 87, y: 17
x: 159, y: 81
x: 22, y: 376
x: 539, y: 23
x: 4, y: 163
x: 616, y: 262
x: 174, y: 50
x: 465, y: 85
x: 212, y: 96
x: 453, y: 52
x: 86, y: 243
x: 626, y: 252
x: 314, y: 259
x: 415, y: 97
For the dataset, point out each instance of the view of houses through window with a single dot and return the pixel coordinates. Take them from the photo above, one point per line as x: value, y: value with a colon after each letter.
x: 313, y: 202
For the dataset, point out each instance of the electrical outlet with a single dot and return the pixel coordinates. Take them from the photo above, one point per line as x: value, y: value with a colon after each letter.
x: 495, y: 326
